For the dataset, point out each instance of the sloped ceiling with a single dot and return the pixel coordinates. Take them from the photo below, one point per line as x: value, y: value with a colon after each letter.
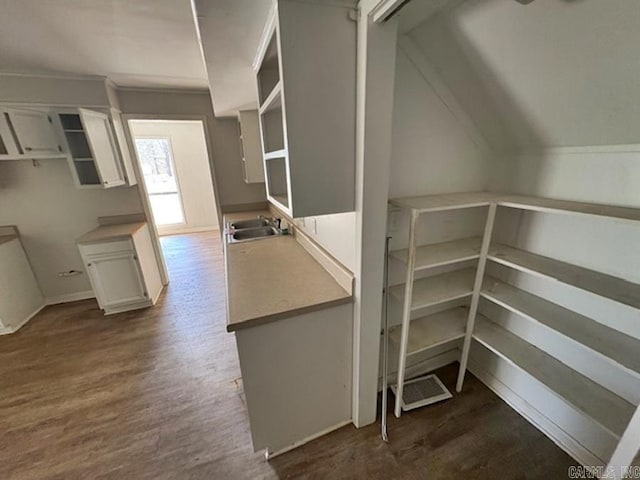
x: 141, y: 43
x: 551, y: 73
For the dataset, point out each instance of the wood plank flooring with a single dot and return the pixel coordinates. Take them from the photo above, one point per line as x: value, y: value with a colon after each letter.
x: 157, y: 394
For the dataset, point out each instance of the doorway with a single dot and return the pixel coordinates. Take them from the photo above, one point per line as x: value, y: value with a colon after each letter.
x: 174, y: 163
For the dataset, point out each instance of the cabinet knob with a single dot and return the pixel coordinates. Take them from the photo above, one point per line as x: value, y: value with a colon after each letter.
x: 28, y: 149
x: 89, y: 264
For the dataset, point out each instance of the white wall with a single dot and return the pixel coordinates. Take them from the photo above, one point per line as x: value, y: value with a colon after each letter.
x: 431, y: 151
x: 335, y: 233
x: 551, y: 73
x: 191, y: 160
x: 51, y: 213
x: 223, y: 134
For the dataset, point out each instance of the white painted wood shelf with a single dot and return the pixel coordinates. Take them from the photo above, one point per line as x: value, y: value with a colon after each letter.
x: 615, y: 346
x: 449, y: 201
x: 438, y: 289
x: 600, y: 404
x: 272, y: 99
x: 551, y: 205
x: 433, y: 330
x: 606, y: 286
x: 441, y: 254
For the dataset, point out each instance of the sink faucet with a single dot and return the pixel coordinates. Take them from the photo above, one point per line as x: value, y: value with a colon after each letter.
x: 276, y: 222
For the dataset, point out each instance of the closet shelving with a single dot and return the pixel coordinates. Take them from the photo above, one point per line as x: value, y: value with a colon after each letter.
x: 433, y: 330
x: 603, y: 406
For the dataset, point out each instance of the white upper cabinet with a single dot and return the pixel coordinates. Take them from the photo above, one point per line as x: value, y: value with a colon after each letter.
x: 94, y: 156
x: 103, y: 147
x: 306, y: 79
x: 27, y: 133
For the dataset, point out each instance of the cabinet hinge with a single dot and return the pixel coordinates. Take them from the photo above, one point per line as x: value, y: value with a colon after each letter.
x: 50, y: 121
x: 135, y: 257
x: 145, y: 294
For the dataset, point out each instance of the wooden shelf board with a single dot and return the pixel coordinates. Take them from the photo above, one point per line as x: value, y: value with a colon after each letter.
x: 614, y: 345
x: 433, y: 330
x: 82, y: 159
x: 551, y: 205
x: 438, y: 289
x: 73, y: 130
x: 271, y: 99
x: 441, y: 254
x: 602, y: 405
x: 449, y: 201
x: 607, y: 286
x: 276, y: 154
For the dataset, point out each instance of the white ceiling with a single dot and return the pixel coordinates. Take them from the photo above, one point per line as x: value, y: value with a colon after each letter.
x: 136, y: 43
x: 230, y: 32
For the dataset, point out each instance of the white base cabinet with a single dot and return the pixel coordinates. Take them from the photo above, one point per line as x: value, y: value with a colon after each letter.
x: 296, y: 374
x: 123, y: 271
x: 20, y: 295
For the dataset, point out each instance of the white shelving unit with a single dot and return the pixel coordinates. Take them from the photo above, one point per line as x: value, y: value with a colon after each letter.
x: 434, y: 330
x: 615, y: 348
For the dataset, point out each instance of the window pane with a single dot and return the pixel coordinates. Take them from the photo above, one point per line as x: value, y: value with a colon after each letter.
x: 158, y: 170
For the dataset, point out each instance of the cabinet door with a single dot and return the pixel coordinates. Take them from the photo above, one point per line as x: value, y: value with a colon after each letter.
x: 117, y: 279
x: 33, y: 132
x: 123, y: 149
x: 98, y: 132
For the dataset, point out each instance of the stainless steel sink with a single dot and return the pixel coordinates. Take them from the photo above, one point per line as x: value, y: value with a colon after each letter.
x: 251, y: 234
x: 250, y: 223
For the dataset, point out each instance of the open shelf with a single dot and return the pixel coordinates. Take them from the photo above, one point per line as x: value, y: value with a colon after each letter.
x: 275, y: 154
x: 441, y: 254
x: 276, y: 176
x: 433, y: 330
x: 602, y: 405
x: 612, y: 344
x: 449, y: 201
x: 438, y: 289
x: 601, y: 284
x: 550, y: 205
x: 269, y: 72
x: 272, y: 128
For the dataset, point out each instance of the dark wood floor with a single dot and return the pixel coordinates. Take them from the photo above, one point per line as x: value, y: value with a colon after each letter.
x: 157, y: 394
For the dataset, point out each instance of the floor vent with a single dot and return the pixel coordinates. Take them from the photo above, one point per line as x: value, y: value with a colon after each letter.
x: 422, y: 391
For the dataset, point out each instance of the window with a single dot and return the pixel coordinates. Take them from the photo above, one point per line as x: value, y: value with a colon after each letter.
x: 159, y: 172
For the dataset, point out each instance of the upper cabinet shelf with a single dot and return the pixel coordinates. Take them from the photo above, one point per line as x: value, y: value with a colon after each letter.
x: 305, y: 75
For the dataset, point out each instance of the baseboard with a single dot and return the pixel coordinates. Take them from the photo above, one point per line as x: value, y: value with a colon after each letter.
x: 269, y: 455
x: 561, y: 438
x: 180, y: 231
x: 14, y: 329
x: 70, y: 297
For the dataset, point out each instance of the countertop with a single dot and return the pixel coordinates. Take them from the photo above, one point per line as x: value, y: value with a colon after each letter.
x: 111, y: 232
x: 274, y: 278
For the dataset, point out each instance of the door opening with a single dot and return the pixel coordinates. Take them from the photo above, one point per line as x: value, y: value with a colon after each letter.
x: 174, y: 163
x: 160, y: 178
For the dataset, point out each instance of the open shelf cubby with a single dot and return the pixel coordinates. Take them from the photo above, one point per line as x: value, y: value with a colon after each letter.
x: 276, y: 172
x: 269, y: 72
